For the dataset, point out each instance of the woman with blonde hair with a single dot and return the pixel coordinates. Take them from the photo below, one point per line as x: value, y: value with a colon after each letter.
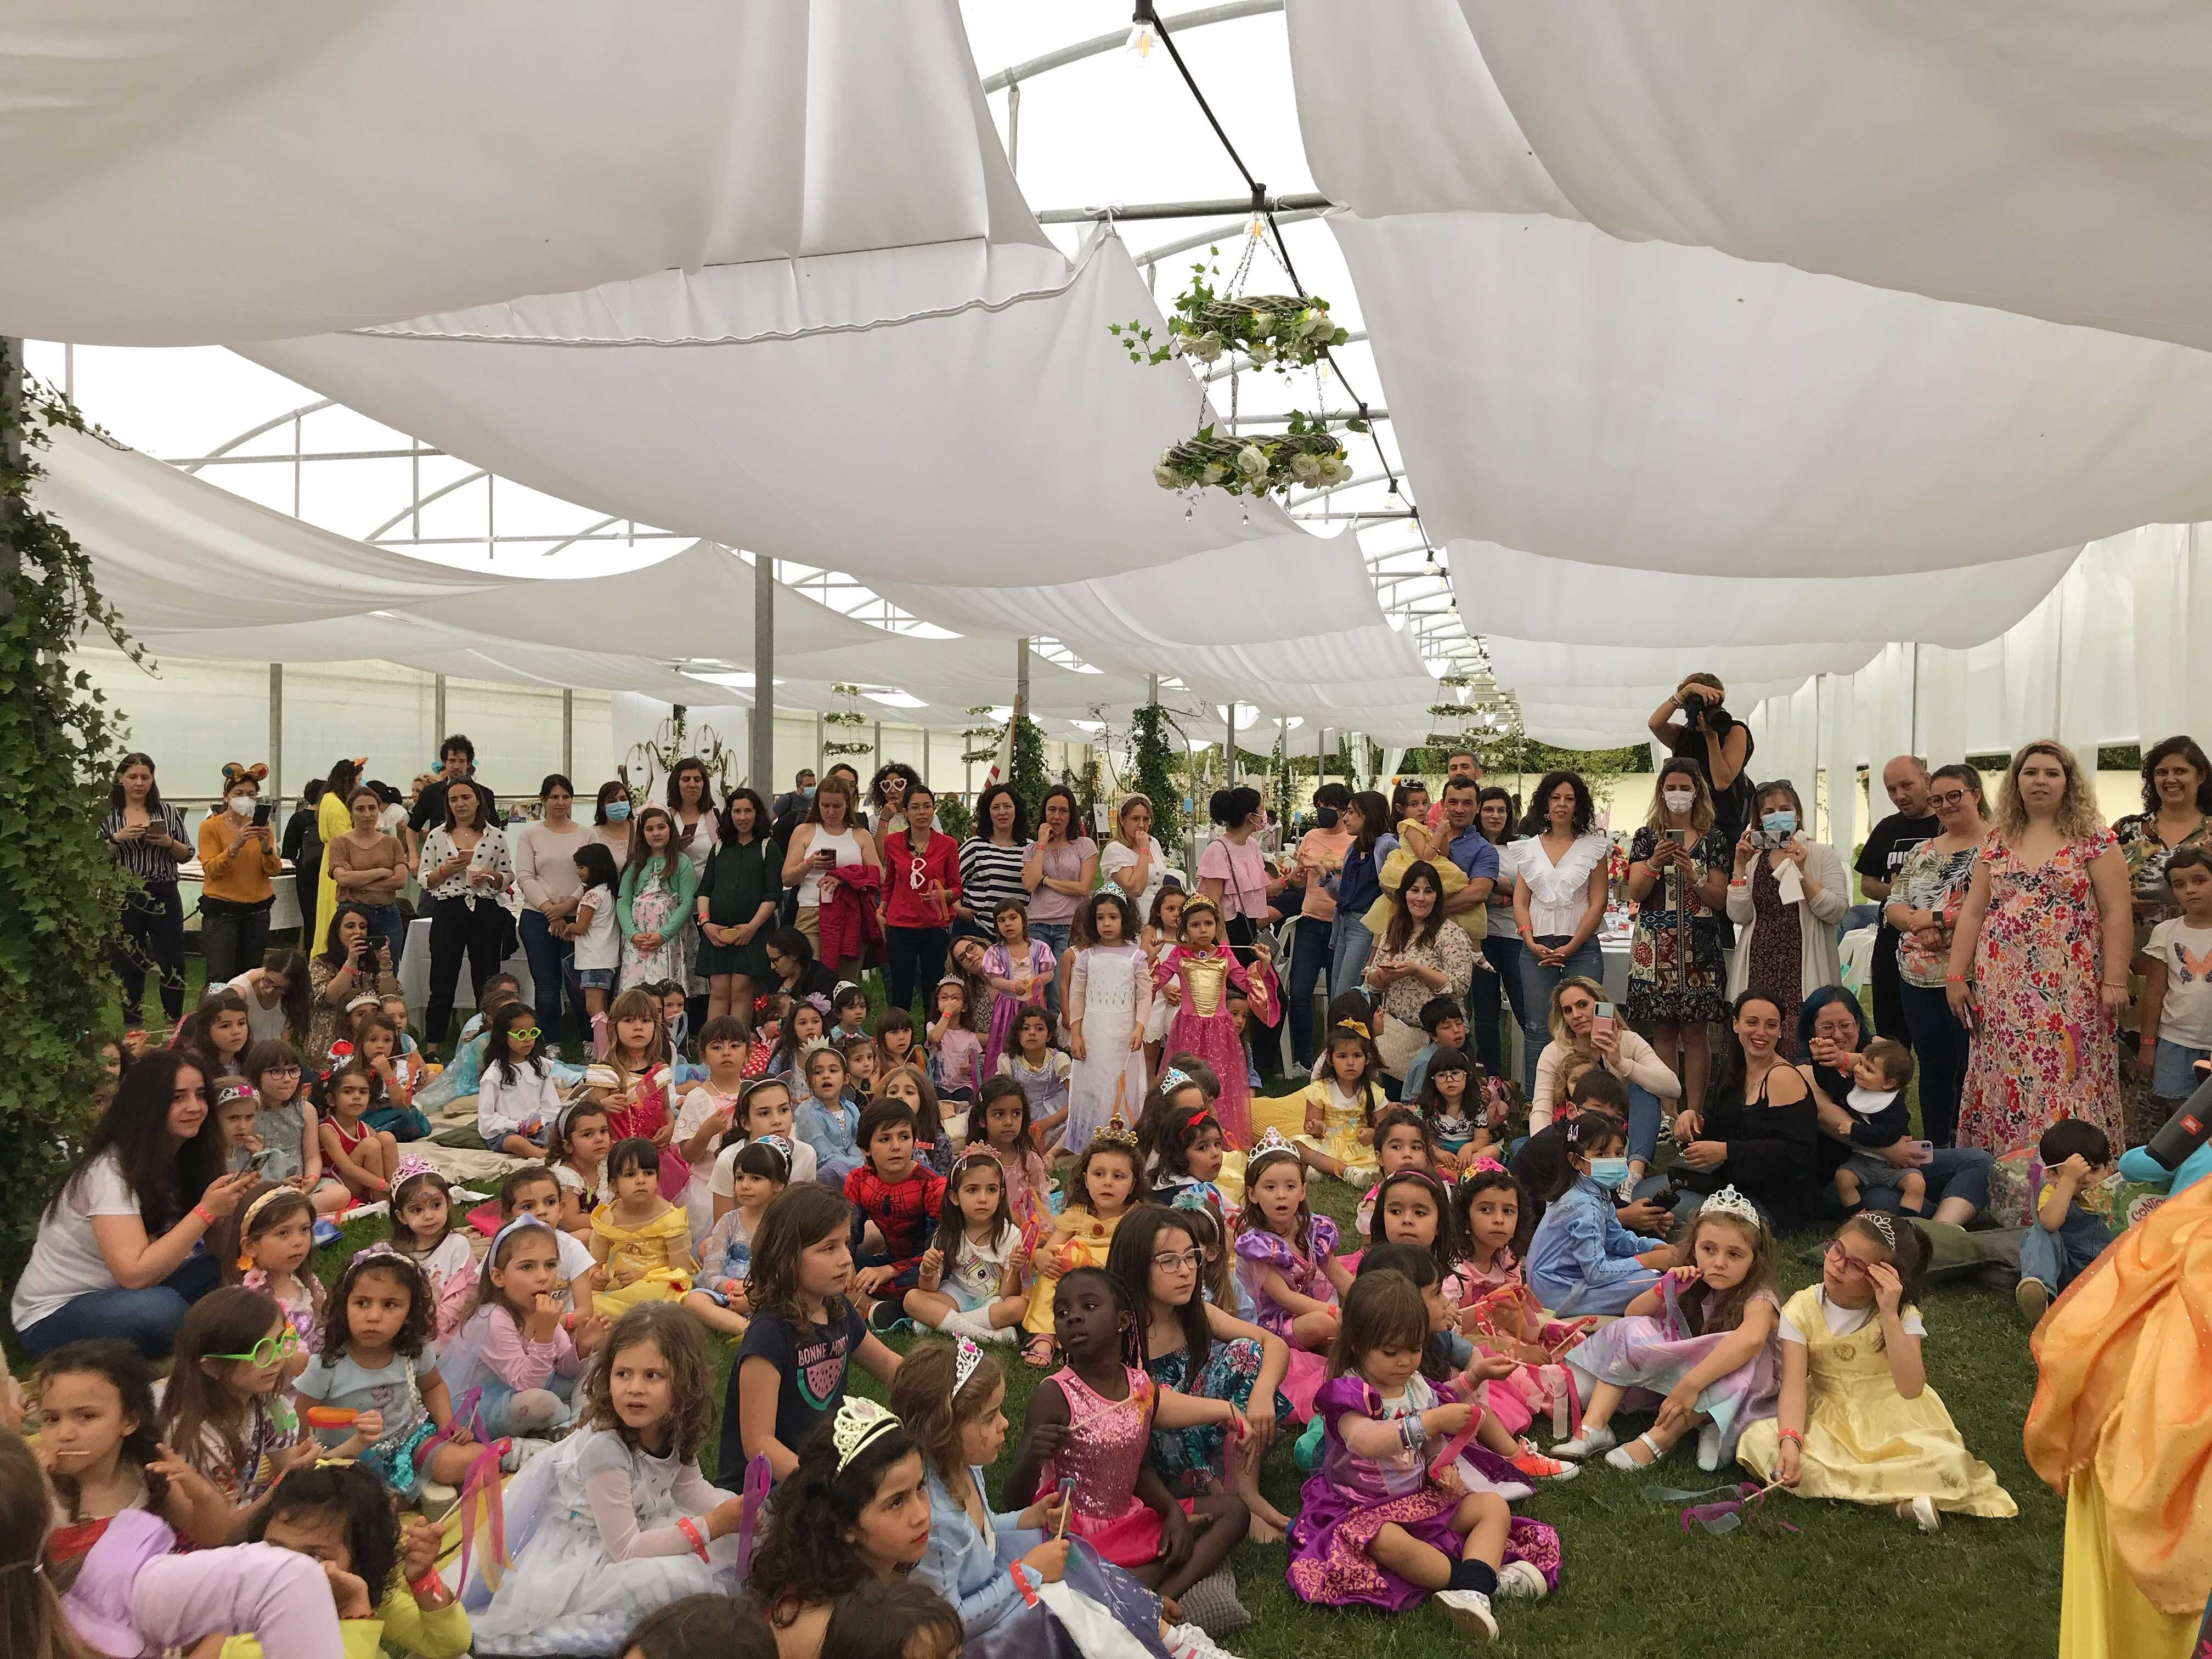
x: 2038, y: 966
x: 1578, y: 1041
x: 1678, y: 872
x: 829, y: 840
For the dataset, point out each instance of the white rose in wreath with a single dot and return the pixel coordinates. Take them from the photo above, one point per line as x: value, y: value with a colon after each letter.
x: 1252, y: 461
x: 1332, y: 469
x: 1204, y: 347
x: 1167, y: 477
x: 1263, y: 322
x: 1305, y: 468
x: 1259, y: 351
x: 1214, y: 473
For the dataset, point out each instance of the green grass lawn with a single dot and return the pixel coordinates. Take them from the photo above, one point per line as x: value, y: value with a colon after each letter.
x: 1849, y: 1582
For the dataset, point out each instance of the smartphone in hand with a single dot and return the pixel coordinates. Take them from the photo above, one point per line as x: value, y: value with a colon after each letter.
x: 1601, y: 1023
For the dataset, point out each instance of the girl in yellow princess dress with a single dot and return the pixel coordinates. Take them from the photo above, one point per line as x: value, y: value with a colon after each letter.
x: 1197, y: 975
x: 641, y: 1239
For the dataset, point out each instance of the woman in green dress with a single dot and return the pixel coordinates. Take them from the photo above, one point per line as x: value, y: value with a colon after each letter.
x: 737, y: 893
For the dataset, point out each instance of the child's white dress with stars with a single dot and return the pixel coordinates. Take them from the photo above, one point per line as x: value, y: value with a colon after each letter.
x: 592, y: 1528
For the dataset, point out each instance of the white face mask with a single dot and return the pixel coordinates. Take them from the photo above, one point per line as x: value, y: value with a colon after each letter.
x: 1679, y: 800
x: 242, y: 804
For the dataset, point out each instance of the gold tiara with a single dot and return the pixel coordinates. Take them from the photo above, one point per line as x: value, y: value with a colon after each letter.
x: 860, y: 1423
x: 1117, y: 1134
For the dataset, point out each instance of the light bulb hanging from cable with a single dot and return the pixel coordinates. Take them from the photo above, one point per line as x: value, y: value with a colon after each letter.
x: 1143, y: 33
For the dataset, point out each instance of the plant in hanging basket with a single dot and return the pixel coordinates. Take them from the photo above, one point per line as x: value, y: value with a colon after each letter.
x: 1260, y: 464
x: 1283, y: 330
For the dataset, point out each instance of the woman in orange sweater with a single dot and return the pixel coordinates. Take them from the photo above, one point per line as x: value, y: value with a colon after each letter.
x: 238, y: 856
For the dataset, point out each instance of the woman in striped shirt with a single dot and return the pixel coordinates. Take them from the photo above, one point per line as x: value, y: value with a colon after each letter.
x: 991, y: 859
x: 146, y: 836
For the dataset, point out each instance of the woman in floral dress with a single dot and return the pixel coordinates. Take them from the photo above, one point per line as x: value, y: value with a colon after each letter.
x: 2039, y: 960
x: 1678, y: 872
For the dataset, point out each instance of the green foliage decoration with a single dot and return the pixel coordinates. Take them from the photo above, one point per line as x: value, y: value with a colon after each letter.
x: 1154, y: 739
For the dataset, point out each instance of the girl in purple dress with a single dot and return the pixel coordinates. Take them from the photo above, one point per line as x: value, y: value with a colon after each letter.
x: 1018, y: 969
x: 1377, y: 1528
x: 1285, y: 1254
x: 1704, y: 1337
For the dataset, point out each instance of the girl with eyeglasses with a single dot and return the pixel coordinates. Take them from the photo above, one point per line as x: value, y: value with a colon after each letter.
x: 223, y: 1411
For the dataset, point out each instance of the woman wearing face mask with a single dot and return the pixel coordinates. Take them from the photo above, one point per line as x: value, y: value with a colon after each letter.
x: 238, y: 856
x: 1785, y: 896
x: 1678, y: 878
x: 611, y: 821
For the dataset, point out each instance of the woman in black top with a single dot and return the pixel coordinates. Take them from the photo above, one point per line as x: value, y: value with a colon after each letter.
x: 1758, y: 1131
x: 1719, y: 743
x: 146, y: 836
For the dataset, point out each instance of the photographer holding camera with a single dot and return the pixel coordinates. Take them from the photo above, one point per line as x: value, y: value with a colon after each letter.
x: 1717, y: 741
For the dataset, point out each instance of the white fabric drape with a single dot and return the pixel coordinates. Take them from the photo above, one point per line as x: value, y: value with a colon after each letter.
x: 222, y: 172
x: 2051, y: 158
x: 952, y: 447
x: 1517, y: 662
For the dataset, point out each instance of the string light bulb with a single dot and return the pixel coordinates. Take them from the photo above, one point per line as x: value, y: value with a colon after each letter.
x: 1144, y: 35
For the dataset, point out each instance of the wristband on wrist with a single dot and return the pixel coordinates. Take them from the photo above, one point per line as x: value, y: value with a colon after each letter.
x: 1954, y: 979
x: 428, y: 1585
x: 1798, y: 1434
x: 691, y: 1530
x: 1020, y: 1575
x: 207, y: 1216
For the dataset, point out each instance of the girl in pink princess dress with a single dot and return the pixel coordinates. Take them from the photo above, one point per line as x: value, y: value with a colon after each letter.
x: 1495, y: 1308
x: 1197, y: 975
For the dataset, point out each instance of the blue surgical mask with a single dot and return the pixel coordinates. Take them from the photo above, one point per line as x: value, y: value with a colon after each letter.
x: 1780, y: 823
x: 1609, y: 1172
x: 617, y: 811
x: 807, y: 794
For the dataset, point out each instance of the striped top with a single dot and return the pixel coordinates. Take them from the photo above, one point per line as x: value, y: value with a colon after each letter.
x: 145, y: 860
x: 990, y: 873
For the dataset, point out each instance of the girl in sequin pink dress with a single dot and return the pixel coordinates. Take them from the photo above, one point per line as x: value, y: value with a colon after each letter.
x: 1091, y: 1423
x: 1204, y: 972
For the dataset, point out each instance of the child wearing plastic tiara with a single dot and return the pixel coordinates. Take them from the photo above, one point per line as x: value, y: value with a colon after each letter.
x: 372, y: 1376
x: 516, y: 1098
x: 339, y: 1515
x: 1041, y: 1073
x: 641, y: 1240
x: 576, y: 1150
x: 1702, y: 1339
x: 1856, y: 1420
x: 1184, y: 1086
x: 363, y: 1158
x: 1880, y: 1116
x: 531, y: 1190
x: 1100, y: 1188
x: 958, y: 1061
x: 707, y: 1112
x: 285, y: 1124
x: 899, y: 1198
x: 1017, y: 968
x: 1450, y: 1102
x: 422, y: 1230
x: 224, y: 1410
x: 951, y: 1398
x: 999, y: 1123
x: 1581, y: 1260
x: 763, y: 1109
x: 805, y: 1334
x: 1285, y: 1254
x: 829, y: 1122
x: 1375, y: 1527
x: 849, y: 1008
x: 1402, y: 1142
x: 264, y: 1246
x: 971, y: 1277
x: 1445, y: 1023
x: 376, y: 1046
x: 717, y: 1297
x: 514, y: 1350
x: 1110, y: 999
x: 1339, y: 1138
x: 616, y: 1519
x: 234, y: 1106
x: 1187, y: 1150
x: 1091, y: 1422
x: 1198, y: 976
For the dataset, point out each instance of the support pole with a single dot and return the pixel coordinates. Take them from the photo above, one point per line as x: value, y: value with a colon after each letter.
x: 569, y: 733
x: 11, y: 457
x: 1021, y: 679
x: 276, y: 731
x: 438, y: 711
x: 1228, y: 752
x: 761, y: 760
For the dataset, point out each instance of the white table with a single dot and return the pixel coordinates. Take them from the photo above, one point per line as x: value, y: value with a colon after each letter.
x: 415, y: 975
x: 283, y: 914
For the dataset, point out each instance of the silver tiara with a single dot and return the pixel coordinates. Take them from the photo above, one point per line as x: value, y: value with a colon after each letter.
x: 1882, y: 1224
x: 966, y: 1356
x: 1729, y: 1202
x: 860, y: 1423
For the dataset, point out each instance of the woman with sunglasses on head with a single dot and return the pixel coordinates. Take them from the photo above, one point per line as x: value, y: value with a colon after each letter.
x: 921, y: 890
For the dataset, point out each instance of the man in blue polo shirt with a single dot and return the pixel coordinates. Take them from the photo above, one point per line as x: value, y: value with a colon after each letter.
x: 1474, y: 854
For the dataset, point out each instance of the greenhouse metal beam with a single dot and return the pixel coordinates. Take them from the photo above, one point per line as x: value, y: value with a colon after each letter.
x: 1098, y: 45
x: 1308, y: 203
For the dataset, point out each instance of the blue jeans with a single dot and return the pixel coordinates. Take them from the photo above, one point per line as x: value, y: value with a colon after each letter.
x: 1642, y: 1125
x: 1954, y: 1172
x: 1504, y: 952
x: 384, y: 923
x: 1538, y: 983
x: 1311, y: 953
x: 146, y: 1318
x: 1053, y: 933
x: 549, y: 958
x: 1349, y: 947
x: 2056, y: 1258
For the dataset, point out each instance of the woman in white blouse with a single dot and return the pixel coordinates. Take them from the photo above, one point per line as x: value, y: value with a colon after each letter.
x: 1131, y: 862
x: 1558, y: 871
x: 468, y: 878
x: 546, y: 871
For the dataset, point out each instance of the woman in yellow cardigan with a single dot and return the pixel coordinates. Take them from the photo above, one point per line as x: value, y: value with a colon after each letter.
x: 238, y: 856
x: 333, y: 818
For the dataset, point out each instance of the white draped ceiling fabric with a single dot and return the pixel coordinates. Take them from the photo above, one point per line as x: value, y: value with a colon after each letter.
x: 1670, y: 357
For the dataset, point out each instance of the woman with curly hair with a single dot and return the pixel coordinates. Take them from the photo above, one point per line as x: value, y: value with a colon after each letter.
x: 616, y: 1519
x: 2039, y: 965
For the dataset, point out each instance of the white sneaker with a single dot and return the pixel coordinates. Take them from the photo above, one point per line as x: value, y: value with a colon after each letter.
x: 1522, y: 1580
x: 1709, y: 1447
x: 1470, y: 1610
x: 1921, y: 1512
x: 520, y: 1448
x: 1588, y: 1443
x: 1189, y: 1641
x: 435, y: 1499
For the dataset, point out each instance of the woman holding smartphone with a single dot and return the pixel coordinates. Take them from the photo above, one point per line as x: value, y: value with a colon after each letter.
x: 353, y: 961
x: 828, y: 839
x: 1677, y: 870
x: 1586, y: 1029
x: 238, y: 856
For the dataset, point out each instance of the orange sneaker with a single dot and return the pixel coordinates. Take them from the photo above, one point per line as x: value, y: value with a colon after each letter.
x: 1537, y: 1466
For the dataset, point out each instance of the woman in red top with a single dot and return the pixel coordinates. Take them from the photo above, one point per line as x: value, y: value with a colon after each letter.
x: 922, y: 885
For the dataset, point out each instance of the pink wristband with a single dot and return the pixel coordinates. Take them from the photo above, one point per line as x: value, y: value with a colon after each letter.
x: 691, y: 1529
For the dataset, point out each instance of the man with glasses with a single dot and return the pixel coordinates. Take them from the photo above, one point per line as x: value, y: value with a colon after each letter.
x: 1905, y: 781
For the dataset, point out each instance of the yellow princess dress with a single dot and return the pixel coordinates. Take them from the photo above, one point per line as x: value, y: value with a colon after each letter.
x: 653, y: 1250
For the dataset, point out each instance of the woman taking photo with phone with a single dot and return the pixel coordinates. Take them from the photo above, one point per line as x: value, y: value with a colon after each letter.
x: 1588, y: 1029
x: 1678, y: 873
x: 827, y: 841
x: 238, y: 856
x: 1786, y: 893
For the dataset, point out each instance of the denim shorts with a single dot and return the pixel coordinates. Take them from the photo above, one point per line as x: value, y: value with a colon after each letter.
x: 595, y: 979
x: 2173, y: 1074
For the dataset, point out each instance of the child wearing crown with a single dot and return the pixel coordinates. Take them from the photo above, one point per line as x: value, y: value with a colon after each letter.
x: 1100, y: 1190
x: 1197, y: 976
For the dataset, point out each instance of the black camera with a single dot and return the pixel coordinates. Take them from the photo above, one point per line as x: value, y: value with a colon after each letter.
x: 1693, y: 706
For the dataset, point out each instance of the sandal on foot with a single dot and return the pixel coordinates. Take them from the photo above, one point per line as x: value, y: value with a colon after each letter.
x: 1037, y: 1352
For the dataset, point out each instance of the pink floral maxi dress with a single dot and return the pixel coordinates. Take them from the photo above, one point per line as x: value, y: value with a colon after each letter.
x: 2044, y: 1049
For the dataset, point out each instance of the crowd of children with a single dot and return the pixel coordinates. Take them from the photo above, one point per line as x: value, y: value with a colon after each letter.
x: 802, y: 1187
